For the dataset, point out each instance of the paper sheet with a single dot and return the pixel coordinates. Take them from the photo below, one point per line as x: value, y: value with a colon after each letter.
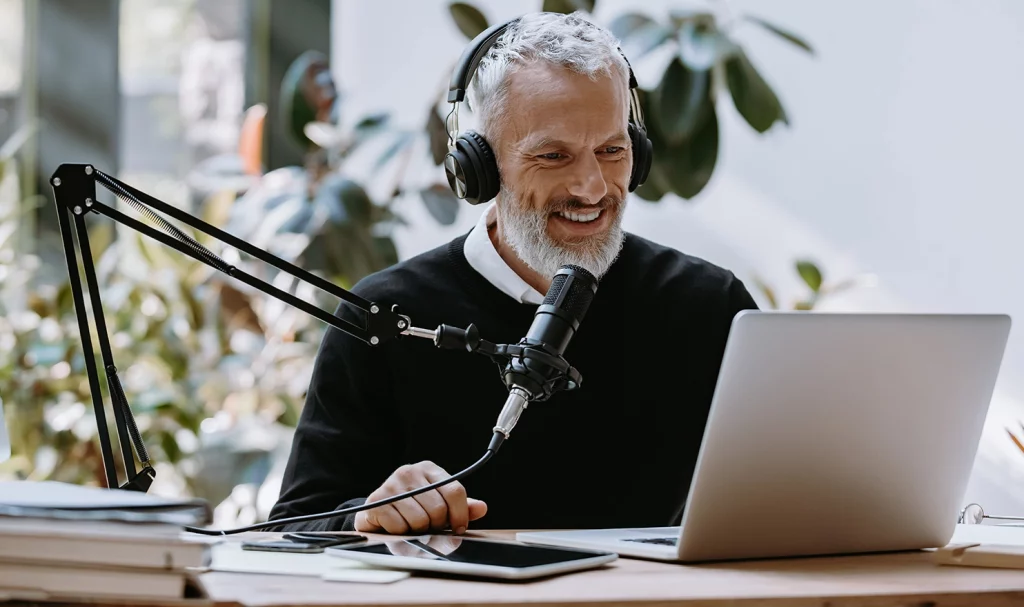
x: 56, y: 500
x: 365, y: 576
x: 1007, y: 535
x: 52, y: 494
x: 229, y: 556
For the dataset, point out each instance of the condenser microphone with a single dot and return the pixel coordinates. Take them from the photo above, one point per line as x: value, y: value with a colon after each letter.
x: 539, y: 370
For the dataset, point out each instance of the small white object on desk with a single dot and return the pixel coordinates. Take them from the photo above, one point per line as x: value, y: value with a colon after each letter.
x: 365, y: 576
x: 1005, y: 535
x: 995, y: 546
x: 5, y: 438
x: 230, y: 557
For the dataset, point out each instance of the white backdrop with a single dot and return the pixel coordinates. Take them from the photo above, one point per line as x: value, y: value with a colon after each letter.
x: 900, y: 159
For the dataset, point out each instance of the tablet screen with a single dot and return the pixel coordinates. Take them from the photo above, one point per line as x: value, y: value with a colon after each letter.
x: 477, y: 552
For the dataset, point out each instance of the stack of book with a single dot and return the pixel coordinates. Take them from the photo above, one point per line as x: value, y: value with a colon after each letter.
x: 66, y: 541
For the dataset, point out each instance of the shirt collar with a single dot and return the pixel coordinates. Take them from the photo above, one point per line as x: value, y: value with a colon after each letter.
x: 484, y: 258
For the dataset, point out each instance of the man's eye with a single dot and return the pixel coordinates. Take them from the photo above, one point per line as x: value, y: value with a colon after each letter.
x: 550, y: 156
x: 613, y: 149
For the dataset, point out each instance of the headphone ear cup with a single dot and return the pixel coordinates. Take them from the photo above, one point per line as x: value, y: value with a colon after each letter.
x: 643, y: 156
x: 471, y: 169
x: 487, y: 166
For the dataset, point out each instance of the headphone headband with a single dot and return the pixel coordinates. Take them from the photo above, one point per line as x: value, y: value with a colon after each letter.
x: 471, y: 58
x: 474, y: 54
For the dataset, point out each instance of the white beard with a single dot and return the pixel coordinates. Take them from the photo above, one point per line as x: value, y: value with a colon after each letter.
x: 525, y: 232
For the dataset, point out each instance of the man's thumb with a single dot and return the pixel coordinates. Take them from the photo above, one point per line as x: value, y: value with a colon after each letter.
x: 477, y: 508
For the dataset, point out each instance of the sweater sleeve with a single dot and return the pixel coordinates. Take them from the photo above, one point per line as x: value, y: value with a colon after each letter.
x: 347, y: 441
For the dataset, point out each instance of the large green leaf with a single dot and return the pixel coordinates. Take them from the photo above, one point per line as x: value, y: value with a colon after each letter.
x: 370, y: 126
x: 651, y: 190
x: 790, y: 36
x: 751, y: 95
x: 402, y: 141
x: 645, y: 38
x: 768, y: 293
x: 386, y: 249
x: 683, y: 167
x: 196, y: 315
x: 373, y: 121
x: 346, y: 253
x: 437, y: 133
x: 356, y: 201
x: 701, y: 45
x: 297, y: 106
x: 567, y: 6
x: 381, y: 214
x: 682, y: 100
x: 681, y: 16
x: 441, y: 202
x: 810, y: 273
x: 656, y: 186
x: 365, y: 130
x: 687, y: 165
x: 468, y: 19
x: 624, y: 25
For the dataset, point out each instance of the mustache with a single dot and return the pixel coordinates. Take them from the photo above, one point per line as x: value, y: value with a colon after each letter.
x: 572, y: 203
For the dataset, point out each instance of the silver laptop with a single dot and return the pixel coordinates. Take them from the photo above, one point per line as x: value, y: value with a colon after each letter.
x: 829, y: 433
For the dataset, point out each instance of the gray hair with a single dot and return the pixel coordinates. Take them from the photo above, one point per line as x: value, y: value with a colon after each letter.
x: 568, y: 41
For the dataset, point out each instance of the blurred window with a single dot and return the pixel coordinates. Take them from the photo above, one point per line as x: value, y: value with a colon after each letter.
x: 12, y: 43
x: 182, y: 65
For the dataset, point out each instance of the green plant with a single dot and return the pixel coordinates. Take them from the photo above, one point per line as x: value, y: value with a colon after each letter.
x: 1016, y: 441
x: 817, y: 287
x: 200, y: 354
x: 320, y: 215
x: 192, y: 346
x: 681, y: 111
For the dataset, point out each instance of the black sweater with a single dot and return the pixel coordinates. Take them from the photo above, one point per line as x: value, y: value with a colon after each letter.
x: 617, y: 452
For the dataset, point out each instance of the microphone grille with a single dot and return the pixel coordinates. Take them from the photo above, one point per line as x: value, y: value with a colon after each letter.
x: 572, y: 290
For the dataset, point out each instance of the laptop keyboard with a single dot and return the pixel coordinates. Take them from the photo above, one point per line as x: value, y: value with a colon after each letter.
x: 661, y: 541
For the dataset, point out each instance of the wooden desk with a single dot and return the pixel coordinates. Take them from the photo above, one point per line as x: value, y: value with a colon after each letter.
x: 903, y: 579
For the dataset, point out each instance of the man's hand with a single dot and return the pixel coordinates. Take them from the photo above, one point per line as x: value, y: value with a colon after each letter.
x: 445, y: 544
x: 446, y: 506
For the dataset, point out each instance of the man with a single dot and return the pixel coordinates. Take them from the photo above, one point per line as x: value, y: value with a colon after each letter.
x: 619, y: 451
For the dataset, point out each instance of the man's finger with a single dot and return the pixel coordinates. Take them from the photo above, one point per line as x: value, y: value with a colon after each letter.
x: 433, y: 504
x: 366, y: 520
x: 410, y: 509
x: 388, y: 518
x: 445, y: 544
x: 403, y: 548
x: 454, y: 495
x: 477, y: 508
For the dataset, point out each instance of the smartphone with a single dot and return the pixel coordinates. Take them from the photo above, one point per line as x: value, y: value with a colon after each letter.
x: 325, y: 539
x: 282, y: 546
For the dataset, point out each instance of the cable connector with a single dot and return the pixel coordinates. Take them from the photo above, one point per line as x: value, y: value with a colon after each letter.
x: 518, y: 399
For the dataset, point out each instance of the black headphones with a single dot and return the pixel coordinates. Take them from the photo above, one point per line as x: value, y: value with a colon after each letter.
x: 470, y: 163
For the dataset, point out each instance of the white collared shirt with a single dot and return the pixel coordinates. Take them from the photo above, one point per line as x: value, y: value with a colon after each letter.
x: 481, y: 254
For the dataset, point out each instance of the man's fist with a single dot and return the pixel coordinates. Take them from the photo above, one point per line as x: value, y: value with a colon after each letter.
x: 446, y: 506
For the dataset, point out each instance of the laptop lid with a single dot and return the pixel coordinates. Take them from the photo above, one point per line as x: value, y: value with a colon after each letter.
x: 836, y: 433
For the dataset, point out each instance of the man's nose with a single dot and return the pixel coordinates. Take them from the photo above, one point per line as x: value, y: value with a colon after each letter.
x: 587, y: 180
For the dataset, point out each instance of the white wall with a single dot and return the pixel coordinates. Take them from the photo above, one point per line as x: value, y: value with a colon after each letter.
x: 900, y: 160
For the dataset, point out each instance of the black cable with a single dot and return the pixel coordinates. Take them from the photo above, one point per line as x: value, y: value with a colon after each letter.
x: 491, y: 450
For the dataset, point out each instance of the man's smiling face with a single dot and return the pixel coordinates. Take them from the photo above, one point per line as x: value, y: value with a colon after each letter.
x: 565, y: 159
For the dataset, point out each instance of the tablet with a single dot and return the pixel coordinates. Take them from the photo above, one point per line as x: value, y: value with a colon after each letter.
x: 474, y: 557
